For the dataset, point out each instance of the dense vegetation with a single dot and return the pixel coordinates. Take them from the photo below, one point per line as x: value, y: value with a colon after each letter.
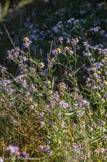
x: 53, y: 82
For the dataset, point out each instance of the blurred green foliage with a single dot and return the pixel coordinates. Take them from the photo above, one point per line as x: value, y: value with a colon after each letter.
x: 5, y: 6
x: 4, y: 10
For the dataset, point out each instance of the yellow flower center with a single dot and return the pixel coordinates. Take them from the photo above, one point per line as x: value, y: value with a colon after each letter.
x: 25, y: 44
x: 99, y: 95
x: 48, y: 82
x: 62, y: 86
x: 90, y: 113
x: 26, y: 38
x: 83, y: 122
x: 98, y: 72
x: 95, y: 74
x: 58, y: 49
x: 105, y: 82
x: 41, y: 64
x: 76, y: 39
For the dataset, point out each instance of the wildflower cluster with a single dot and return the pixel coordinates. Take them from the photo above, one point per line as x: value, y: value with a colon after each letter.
x: 55, y: 107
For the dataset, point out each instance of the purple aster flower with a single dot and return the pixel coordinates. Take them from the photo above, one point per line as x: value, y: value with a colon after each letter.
x: 41, y: 147
x: 41, y: 115
x: 2, y: 68
x: 87, y: 54
x: 55, y: 52
x: 90, y: 128
x: 86, y: 44
x: 68, y: 40
x: 61, y: 39
x: 46, y: 71
x: 47, y: 147
x: 103, y: 100
x: 32, y: 87
x: 50, y: 153
x: 41, y: 65
x: 42, y: 124
x: 31, y: 107
x: 102, y: 150
x: 102, y: 122
x: 51, y: 123
x: 92, y: 59
x: 52, y: 103
x: 70, y: 20
x: 12, y: 149
x: 75, y: 106
x: 62, y: 86
x: 88, y: 80
x: 27, y: 42
x: 25, y: 154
